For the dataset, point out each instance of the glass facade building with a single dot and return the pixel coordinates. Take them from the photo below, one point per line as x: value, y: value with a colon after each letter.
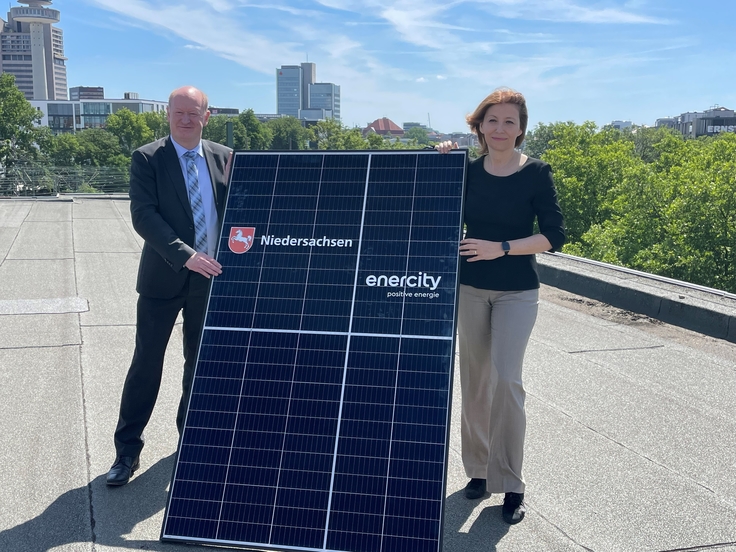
x: 325, y: 95
x: 289, y: 90
x: 299, y: 96
x: 73, y: 116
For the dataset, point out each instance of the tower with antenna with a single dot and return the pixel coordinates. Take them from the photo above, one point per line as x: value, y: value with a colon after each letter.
x: 33, y: 50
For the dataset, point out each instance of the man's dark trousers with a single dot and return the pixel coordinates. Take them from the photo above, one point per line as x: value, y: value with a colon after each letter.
x: 154, y: 324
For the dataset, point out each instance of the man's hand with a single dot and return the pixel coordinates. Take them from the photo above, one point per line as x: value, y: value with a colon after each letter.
x: 204, y: 264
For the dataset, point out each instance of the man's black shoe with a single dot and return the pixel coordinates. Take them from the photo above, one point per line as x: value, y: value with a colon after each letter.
x: 514, y: 508
x: 122, y: 470
x: 476, y: 488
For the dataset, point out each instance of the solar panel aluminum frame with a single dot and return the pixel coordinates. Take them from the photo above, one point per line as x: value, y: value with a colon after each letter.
x: 225, y: 231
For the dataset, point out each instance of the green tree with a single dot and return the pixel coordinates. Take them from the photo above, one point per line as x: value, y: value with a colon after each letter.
x: 130, y: 129
x: 651, y: 200
x: 587, y: 165
x: 64, y: 150
x: 375, y: 141
x: 216, y: 130
x: 701, y: 220
x: 353, y: 139
x: 418, y: 135
x: 99, y: 148
x: 329, y: 134
x: 18, y: 117
x: 259, y: 136
x: 157, y: 122
x: 396, y: 143
x: 538, y: 139
x: 288, y: 134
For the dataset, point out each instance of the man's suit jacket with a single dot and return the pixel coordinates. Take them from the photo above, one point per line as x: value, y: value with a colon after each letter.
x: 162, y: 214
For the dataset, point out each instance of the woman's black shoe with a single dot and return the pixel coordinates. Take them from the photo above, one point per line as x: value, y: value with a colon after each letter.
x: 514, y: 508
x: 476, y: 488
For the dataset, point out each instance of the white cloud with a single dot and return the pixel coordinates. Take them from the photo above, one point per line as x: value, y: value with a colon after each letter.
x: 564, y: 11
x: 279, y: 7
x: 199, y: 26
x: 369, y: 60
x: 220, y: 5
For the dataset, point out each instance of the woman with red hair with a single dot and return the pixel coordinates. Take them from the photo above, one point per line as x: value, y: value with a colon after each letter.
x: 499, y: 294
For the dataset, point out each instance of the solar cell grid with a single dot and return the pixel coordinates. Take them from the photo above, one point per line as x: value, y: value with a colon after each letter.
x: 319, y: 409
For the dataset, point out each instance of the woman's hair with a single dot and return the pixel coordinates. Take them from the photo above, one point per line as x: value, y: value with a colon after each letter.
x: 498, y: 96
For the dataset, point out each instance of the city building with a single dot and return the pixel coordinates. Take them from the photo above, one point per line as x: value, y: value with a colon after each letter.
x: 297, y: 91
x: 32, y: 49
x: 701, y: 123
x: 265, y: 117
x: 325, y: 95
x: 289, y: 90
x: 385, y: 127
x: 229, y: 111
x: 314, y: 114
x: 87, y: 93
x: 72, y: 116
x: 463, y: 139
x: 408, y: 126
x: 309, y: 77
x: 620, y: 125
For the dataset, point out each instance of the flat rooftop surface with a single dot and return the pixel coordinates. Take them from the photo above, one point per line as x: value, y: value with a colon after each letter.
x: 631, y: 440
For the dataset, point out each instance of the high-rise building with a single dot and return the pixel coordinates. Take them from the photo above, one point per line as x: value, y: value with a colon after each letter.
x: 87, y: 93
x: 309, y: 76
x: 325, y: 95
x: 289, y: 90
x: 297, y: 91
x: 32, y: 49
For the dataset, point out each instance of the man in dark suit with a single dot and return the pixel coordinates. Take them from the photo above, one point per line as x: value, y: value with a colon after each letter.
x: 177, y: 195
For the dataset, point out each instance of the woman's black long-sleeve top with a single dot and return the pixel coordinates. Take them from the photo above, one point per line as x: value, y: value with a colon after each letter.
x: 503, y: 208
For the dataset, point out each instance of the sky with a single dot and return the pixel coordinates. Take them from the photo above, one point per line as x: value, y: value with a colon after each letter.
x: 426, y: 61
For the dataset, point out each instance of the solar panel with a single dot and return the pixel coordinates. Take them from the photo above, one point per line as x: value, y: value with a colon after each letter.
x: 318, y: 417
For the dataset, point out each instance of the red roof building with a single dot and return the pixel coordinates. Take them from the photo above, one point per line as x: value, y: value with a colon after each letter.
x: 385, y: 127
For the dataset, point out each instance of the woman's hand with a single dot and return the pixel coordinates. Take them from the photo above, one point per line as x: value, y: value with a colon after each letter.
x: 480, y: 250
x: 446, y: 146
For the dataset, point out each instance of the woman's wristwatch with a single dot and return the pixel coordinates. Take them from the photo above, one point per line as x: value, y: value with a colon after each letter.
x: 506, y: 248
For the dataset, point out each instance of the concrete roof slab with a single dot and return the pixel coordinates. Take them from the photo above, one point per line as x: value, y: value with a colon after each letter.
x: 94, y: 209
x: 13, y: 213
x: 135, y: 235
x: 7, y: 237
x: 640, y: 417
x: 123, y: 208
x: 44, y: 500
x: 608, y: 497
x: 59, y: 305
x: 50, y: 211
x: 107, y: 280
x: 560, y: 328
x: 103, y: 236
x: 43, y: 240
x: 37, y: 279
x: 39, y: 330
x: 131, y: 516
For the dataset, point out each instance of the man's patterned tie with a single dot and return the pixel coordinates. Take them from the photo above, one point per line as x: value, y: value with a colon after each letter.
x: 195, y: 198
